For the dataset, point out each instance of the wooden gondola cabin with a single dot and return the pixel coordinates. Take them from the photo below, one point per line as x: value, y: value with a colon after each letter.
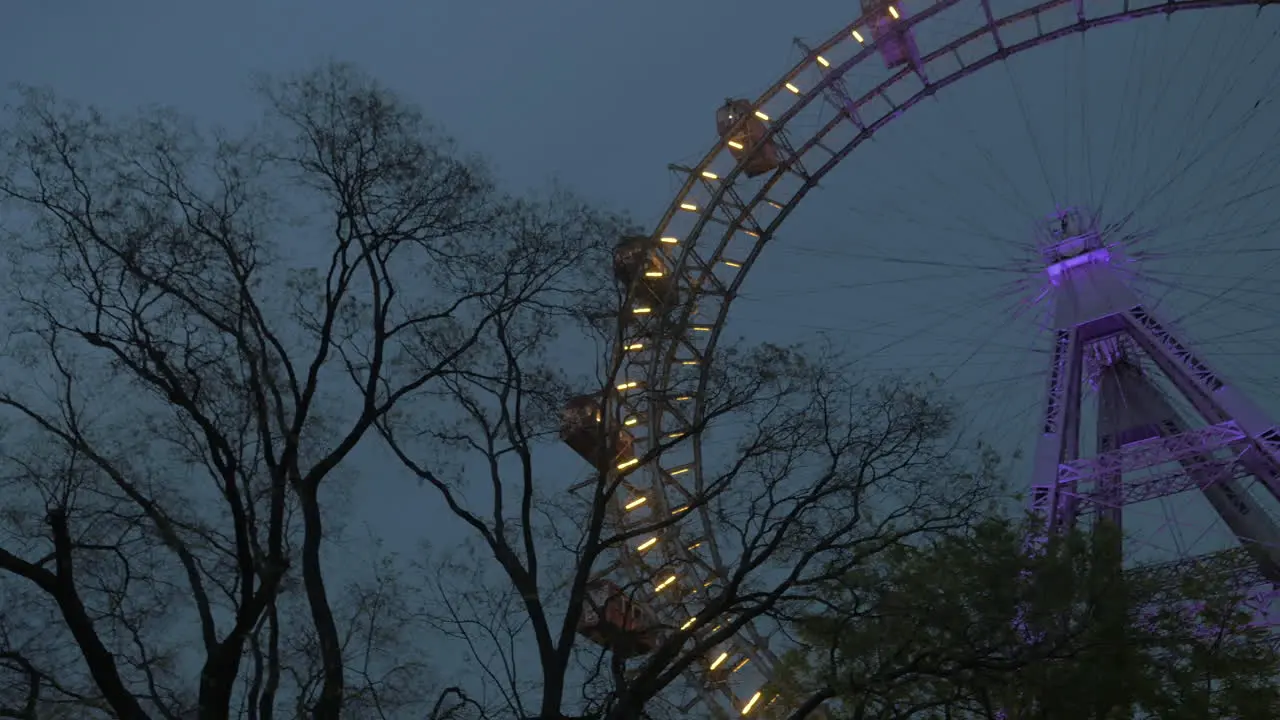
x: 635, y: 257
x: 893, y: 38
x: 613, y: 620
x: 747, y: 141
x: 580, y: 430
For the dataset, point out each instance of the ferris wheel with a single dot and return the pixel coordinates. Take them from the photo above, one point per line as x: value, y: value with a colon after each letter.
x: 1122, y: 377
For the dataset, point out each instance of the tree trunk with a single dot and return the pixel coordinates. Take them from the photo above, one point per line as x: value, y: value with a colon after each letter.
x: 329, y: 705
x: 217, y: 681
x: 102, y: 666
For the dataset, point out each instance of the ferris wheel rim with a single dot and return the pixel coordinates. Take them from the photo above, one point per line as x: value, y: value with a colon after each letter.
x: 663, y: 356
x: 661, y: 369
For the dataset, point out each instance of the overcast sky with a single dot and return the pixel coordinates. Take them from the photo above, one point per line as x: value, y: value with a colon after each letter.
x: 601, y: 95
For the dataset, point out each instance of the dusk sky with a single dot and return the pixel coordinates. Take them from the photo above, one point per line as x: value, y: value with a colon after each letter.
x: 886, y: 256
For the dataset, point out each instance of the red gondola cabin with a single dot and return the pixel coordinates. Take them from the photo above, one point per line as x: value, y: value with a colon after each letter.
x: 613, y: 620
x: 580, y: 430
x: 747, y: 141
x: 634, y: 257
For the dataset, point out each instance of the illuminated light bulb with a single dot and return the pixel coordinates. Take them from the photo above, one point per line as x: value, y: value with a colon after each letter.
x: 699, y: 328
x: 635, y: 346
x: 680, y: 509
x: 710, y: 175
x: 742, y: 664
x: 893, y: 11
x: 637, y: 503
x: 628, y: 385
x: 653, y: 273
x: 793, y: 88
x: 695, y: 546
x: 641, y: 310
x: 719, y: 660
x: 752, y: 233
x: 858, y: 36
x: 628, y: 463
x: 751, y: 703
x: 688, y: 624
x: 688, y: 206
x: 631, y: 420
x: 762, y: 116
x: 675, y: 435
x: 732, y: 264
x: 735, y: 144
x: 664, y: 583
x: 670, y: 240
x: 681, y: 471
x: 647, y: 544
x: 823, y: 61
x: 689, y: 362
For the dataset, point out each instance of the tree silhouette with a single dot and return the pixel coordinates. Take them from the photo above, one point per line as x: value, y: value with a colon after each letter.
x: 200, y: 330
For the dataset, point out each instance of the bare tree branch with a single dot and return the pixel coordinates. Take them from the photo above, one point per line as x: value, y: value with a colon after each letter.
x: 207, y: 327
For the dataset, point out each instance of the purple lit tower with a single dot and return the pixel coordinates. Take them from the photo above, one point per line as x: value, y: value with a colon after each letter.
x: 1145, y: 449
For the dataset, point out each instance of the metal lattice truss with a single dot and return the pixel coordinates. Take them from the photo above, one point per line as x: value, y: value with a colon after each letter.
x: 1233, y: 565
x: 1218, y: 400
x: 709, y: 238
x: 1057, y: 383
x: 1269, y: 441
x: 1153, y: 468
x: 1158, y: 467
x: 1234, y: 569
x: 1200, y: 372
x: 1146, y: 449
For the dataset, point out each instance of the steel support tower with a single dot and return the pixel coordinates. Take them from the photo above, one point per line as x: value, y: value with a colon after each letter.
x: 1104, y: 337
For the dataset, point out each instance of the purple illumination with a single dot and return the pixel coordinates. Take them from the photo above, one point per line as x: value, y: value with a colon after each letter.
x: 1105, y: 340
x: 897, y: 45
x: 1059, y: 269
x: 891, y: 34
x: 1071, y: 240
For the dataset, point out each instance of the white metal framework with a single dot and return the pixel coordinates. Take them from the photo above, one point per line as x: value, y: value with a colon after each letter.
x: 1145, y: 448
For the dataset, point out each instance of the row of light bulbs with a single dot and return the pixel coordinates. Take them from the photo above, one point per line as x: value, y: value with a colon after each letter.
x: 641, y: 500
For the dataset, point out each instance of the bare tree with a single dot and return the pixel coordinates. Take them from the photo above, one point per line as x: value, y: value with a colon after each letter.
x: 200, y: 330
x: 822, y: 474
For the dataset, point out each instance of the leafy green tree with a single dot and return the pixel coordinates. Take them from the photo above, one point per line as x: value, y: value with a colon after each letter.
x: 984, y: 625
